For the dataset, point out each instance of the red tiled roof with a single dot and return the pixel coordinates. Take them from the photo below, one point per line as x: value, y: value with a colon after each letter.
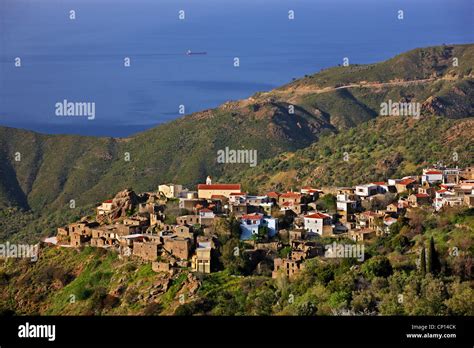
x: 407, y: 181
x: 219, y: 187
x: 252, y: 216
x: 379, y: 183
x: 370, y: 213
x: 422, y: 195
x: 291, y: 195
x: 442, y: 190
x: 218, y: 196
x: 317, y: 216
x: 205, y: 210
x: 273, y: 194
x: 237, y: 194
x: 433, y: 172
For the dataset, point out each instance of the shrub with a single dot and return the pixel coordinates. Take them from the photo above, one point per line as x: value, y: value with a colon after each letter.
x: 378, y: 266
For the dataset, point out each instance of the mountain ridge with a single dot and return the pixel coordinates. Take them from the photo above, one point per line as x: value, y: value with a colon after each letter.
x: 55, y: 170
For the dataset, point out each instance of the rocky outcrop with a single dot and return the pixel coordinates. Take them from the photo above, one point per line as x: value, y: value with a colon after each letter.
x: 123, y: 203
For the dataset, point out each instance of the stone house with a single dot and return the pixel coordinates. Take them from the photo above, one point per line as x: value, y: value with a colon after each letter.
x: 63, y: 235
x: 428, y: 190
x: 293, y: 198
x: 273, y: 246
x: 469, y: 200
x: 287, y: 267
x: 406, y: 185
x: 273, y: 197
x: 178, y: 247
x: 239, y: 209
x: 302, y: 250
x: 369, y: 219
x: 158, y: 266
x: 418, y: 199
x: 191, y: 203
x: 183, y: 231
x: 77, y: 239
x: 188, y: 220
x: 138, y: 221
x: 297, y: 234
x: 468, y: 173
x: 146, y: 250
x: 393, y: 208
x: 361, y: 235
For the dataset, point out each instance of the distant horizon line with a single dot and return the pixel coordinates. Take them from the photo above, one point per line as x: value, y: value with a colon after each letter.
x: 152, y: 126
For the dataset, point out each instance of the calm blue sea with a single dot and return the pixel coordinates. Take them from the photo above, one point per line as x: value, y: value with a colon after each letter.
x: 82, y: 60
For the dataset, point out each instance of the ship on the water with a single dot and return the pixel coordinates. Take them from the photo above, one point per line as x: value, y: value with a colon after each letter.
x: 191, y: 53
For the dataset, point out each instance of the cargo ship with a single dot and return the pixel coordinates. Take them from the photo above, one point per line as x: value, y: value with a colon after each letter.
x: 191, y: 53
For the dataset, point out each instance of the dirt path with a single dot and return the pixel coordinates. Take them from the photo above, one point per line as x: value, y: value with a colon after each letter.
x: 315, y: 90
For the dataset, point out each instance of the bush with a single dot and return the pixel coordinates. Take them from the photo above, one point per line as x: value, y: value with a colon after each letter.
x: 378, y: 266
x: 83, y: 293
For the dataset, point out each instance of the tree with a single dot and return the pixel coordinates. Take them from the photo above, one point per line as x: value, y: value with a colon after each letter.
x: 461, y: 301
x: 327, y: 202
x: 232, y: 257
x: 234, y: 227
x: 378, y: 266
x: 432, y: 265
x: 423, y: 262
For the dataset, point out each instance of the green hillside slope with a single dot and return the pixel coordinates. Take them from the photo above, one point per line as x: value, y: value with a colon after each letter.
x: 392, y: 146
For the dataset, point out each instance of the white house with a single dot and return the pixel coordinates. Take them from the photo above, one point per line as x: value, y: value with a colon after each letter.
x: 105, y: 207
x: 206, y: 214
x: 238, y: 198
x: 316, y: 222
x: 250, y: 223
x: 431, y: 176
x: 344, y: 203
x: 256, y: 200
x: 366, y: 190
x: 393, y: 182
x: 384, y: 187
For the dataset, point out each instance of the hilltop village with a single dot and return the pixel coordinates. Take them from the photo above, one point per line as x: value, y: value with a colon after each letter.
x: 176, y: 228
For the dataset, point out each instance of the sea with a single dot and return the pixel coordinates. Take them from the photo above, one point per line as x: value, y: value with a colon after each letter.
x: 130, y: 60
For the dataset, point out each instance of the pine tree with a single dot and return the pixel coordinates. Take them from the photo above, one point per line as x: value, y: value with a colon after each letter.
x: 432, y: 258
x: 423, y: 261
